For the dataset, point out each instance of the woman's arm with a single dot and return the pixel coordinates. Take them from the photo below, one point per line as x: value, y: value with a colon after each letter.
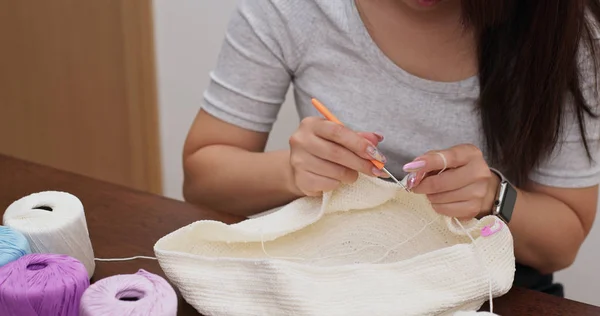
x: 224, y: 166
x: 225, y: 169
x: 550, y: 224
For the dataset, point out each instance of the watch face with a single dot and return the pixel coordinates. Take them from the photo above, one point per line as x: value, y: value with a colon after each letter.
x: 508, y: 202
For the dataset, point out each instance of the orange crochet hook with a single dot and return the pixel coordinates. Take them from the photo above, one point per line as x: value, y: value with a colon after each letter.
x: 330, y: 117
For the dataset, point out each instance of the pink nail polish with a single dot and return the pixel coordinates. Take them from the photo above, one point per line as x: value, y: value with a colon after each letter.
x: 414, y: 166
x: 373, y: 152
x: 379, y: 136
x: 412, y: 180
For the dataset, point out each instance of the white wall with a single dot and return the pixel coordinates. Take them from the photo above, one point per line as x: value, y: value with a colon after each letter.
x: 582, y: 279
x: 188, y: 38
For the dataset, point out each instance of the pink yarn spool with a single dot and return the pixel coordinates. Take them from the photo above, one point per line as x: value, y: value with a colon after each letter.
x: 142, y: 294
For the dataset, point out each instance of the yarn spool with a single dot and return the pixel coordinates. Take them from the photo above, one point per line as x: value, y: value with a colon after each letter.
x: 42, y: 284
x: 13, y: 245
x: 142, y: 293
x: 53, y: 222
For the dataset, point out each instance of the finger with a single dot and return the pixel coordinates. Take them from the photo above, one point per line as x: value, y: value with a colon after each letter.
x: 461, y: 210
x: 453, y: 157
x: 374, y: 138
x: 474, y: 191
x: 314, y: 185
x: 349, y: 139
x: 447, y: 181
x: 338, y: 154
x: 328, y: 169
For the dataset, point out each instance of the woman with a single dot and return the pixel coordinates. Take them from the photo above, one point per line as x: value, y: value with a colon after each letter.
x: 468, y: 85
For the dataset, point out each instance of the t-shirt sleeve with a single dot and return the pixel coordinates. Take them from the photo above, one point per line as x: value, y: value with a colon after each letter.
x: 569, y: 166
x: 254, y: 67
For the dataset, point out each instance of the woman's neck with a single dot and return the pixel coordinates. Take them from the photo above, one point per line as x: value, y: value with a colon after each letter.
x: 443, y: 15
x: 430, y: 44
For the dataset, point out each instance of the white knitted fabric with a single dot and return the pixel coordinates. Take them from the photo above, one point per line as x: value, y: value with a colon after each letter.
x: 365, y: 249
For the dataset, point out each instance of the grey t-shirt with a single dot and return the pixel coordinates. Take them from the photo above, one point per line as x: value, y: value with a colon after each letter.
x: 324, y: 50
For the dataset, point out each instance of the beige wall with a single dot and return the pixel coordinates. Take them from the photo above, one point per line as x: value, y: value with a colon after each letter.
x: 189, y: 34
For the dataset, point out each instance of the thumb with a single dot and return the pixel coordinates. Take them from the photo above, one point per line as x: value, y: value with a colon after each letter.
x: 374, y: 138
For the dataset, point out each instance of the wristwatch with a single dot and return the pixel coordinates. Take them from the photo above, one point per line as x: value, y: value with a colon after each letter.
x: 506, y: 197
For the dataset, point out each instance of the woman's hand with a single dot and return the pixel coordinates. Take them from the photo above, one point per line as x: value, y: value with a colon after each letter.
x: 466, y: 189
x: 324, y: 155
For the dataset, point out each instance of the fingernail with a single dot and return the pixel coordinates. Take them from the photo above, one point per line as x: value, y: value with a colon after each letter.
x: 414, y: 166
x: 412, y: 180
x: 379, y: 173
x: 373, y: 152
x: 379, y: 136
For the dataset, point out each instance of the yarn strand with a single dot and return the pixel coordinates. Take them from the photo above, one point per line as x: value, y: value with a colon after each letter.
x: 124, y: 259
x: 407, y: 240
x: 262, y: 243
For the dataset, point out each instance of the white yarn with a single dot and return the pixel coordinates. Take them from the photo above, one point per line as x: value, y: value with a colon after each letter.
x: 365, y: 249
x: 61, y: 229
x: 483, y: 266
x: 490, y: 292
x: 444, y: 160
x: 384, y: 256
x: 125, y: 259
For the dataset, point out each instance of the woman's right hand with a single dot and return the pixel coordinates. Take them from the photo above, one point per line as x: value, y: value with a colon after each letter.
x: 323, y: 155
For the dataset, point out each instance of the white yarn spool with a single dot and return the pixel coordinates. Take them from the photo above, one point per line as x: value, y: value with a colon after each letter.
x: 53, y: 222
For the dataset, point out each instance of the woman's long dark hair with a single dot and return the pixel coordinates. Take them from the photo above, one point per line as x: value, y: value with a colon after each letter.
x: 528, y: 66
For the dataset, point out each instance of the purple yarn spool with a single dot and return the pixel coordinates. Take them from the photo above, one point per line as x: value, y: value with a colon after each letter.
x: 42, y: 285
x: 142, y: 294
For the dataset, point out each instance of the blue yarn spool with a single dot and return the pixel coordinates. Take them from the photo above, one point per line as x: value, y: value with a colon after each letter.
x: 13, y: 245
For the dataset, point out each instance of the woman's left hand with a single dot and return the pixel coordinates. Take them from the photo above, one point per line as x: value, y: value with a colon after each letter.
x: 465, y: 189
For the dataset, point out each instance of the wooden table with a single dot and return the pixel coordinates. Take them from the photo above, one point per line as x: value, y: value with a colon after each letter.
x: 125, y: 223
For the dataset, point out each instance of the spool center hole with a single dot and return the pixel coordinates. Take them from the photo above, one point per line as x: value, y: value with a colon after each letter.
x: 43, y: 207
x: 130, y: 295
x: 129, y: 299
x: 36, y: 266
